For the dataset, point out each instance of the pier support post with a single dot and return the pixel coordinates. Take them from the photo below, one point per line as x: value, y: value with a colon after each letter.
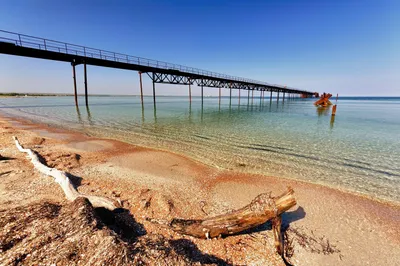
x: 283, y: 98
x: 230, y: 96
x: 141, y: 88
x: 86, y: 91
x: 248, y: 97
x: 74, y: 78
x: 154, y: 92
x: 219, y: 96
x: 277, y: 98
x: 239, y: 96
x: 252, y: 97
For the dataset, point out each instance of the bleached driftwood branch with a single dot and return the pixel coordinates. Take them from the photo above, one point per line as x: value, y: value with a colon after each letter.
x: 260, y: 210
x: 62, y: 179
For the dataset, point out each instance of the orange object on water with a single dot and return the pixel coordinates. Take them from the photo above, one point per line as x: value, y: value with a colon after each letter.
x: 324, y: 100
x: 334, y: 110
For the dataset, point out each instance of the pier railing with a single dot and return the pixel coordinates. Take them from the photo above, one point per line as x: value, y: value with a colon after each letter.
x: 73, y: 49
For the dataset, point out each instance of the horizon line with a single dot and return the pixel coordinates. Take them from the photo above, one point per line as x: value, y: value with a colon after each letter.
x: 150, y: 95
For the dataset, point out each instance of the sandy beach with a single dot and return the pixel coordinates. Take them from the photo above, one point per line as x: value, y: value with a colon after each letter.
x: 327, y: 227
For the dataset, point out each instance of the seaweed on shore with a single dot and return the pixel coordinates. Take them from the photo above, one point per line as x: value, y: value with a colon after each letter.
x: 78, y: 234
x: 310, y: 242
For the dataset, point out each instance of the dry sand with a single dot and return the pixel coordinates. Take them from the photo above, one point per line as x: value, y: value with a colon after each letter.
x: 327, y: 227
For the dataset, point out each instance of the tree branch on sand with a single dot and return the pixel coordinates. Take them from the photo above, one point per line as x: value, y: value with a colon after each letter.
x: 62, y: 179
x: 260, y: 210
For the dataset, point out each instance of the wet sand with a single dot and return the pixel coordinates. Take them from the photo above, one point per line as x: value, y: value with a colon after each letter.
x: 327, y: 227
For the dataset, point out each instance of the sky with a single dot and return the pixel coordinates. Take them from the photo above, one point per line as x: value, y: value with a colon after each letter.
x: 346, y: 47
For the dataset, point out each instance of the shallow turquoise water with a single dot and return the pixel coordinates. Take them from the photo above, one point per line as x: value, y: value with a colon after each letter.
x: 360, y: 151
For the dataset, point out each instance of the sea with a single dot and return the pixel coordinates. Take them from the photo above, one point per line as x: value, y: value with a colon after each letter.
x: 357, y: 150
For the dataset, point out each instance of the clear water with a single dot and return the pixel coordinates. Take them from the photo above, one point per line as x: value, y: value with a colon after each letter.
x: 359, y: 151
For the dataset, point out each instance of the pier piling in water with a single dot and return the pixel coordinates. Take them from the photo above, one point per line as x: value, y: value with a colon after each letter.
x: 154, y: 92
x: 86, y: 85
x: 334, y: 110
x: 141, y: 88
x: 74, y: 78
x: 277, y: 98
x: 334, y: 107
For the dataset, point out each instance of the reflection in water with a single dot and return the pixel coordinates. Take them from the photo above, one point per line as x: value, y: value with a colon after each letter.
x: 155, y: 114
x: 332, y: 121
x: 202, y: 107
x: 89, y: 116
x: 142, y: 113
x: 322, y: 111
x: 78, y: 113
x: 190, y: 112
x: 206, y: 112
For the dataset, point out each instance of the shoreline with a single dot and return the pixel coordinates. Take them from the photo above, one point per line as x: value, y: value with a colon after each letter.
x: 58, y: 128
x: 354, y: 224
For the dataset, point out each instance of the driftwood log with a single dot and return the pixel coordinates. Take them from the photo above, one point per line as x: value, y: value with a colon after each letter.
x: 260, y: 210
x: 63, y: 180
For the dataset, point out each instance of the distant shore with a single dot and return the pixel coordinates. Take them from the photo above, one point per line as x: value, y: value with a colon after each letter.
x: 21, y: 94
x: 353, y: 226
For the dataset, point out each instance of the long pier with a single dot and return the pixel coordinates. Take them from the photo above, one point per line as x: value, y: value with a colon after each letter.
x: 12, y: 43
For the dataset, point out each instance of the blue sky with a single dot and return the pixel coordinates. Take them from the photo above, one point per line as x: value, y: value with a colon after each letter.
x: 345, y: 47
